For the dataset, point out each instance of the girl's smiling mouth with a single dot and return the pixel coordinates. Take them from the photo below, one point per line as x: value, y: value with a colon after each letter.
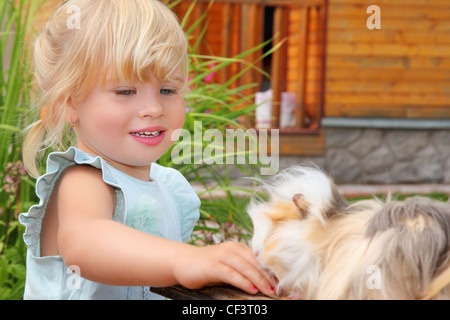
x: 149, y: 136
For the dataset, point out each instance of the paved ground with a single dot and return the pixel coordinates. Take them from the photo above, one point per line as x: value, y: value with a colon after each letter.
x: 355, y: 190
x: 367, y: 190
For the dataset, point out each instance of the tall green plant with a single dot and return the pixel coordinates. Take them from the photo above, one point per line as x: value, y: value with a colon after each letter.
x: 16, y: 189
x: 16, y: 20
x: 216, y: 105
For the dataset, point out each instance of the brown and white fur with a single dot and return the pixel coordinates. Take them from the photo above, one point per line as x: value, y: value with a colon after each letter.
x: 321, y: 247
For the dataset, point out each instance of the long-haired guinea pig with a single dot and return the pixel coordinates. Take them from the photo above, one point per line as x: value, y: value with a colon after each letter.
x: 321, y: 247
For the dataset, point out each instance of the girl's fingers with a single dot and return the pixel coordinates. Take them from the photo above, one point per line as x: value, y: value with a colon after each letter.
x: 272, y: 280
x: 243, y: 262
x: 231, y: 263
x: 236, y: 279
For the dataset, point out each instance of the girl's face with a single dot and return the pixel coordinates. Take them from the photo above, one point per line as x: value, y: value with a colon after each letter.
x: 130, y: 125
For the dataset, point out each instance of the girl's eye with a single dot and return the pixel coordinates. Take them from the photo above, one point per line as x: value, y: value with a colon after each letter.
x: 125, y: 92
x: 166, y: 91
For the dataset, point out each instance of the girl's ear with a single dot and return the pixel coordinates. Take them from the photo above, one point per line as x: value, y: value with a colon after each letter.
x: 71, y: 111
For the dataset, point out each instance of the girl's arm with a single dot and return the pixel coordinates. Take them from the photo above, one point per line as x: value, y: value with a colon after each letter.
x: 112, y: 253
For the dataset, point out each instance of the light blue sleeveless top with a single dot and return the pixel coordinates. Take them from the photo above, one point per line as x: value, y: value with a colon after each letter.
x: 166, y: 206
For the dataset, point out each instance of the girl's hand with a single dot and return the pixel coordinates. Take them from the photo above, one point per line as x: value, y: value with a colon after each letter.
x: 230, y: 262
x: 88, y: 237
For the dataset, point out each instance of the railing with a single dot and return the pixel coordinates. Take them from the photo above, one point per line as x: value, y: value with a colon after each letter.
x: 297, y: 66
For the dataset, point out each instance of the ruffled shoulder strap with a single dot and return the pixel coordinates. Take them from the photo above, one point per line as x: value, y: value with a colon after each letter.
x: 57, y: 162
x: 186, y: 198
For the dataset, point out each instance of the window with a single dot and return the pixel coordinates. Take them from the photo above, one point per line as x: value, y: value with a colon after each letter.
x: 296, y: 68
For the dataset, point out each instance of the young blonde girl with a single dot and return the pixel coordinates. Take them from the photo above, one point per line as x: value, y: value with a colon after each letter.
x: 110, y: 222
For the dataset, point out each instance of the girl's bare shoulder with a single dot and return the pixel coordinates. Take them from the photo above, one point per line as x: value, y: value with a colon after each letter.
x: 82, y: 186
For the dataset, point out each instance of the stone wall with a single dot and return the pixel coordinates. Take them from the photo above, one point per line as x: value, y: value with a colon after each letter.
x: 384, y: 156
x: 387, y: 156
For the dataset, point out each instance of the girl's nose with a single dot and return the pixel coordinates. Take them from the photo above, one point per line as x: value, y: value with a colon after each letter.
x: 153, y: 109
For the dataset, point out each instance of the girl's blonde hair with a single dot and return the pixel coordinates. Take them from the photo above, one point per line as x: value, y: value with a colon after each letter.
x: 87, y: 39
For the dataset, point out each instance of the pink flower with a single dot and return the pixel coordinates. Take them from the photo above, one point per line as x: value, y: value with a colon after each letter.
x: 9, y: 180
x: 210, y: 76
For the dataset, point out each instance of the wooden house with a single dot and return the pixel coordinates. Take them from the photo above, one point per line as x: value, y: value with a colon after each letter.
x: 370, y: 77
x: 358, y: 68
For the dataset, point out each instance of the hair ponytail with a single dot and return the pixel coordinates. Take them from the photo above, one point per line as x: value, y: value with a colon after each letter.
x: 32, y: 147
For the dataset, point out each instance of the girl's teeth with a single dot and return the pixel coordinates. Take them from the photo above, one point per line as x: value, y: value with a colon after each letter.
x: 147, y: 134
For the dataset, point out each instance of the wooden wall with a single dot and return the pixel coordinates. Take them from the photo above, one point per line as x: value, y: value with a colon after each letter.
x: 307, y: 24
x: 401, y: 70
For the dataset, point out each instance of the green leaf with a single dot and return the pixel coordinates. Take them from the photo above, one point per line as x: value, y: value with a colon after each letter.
x: 8, y: 127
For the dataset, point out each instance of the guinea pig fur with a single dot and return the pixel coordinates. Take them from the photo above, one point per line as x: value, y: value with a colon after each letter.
x: 319, y: 246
